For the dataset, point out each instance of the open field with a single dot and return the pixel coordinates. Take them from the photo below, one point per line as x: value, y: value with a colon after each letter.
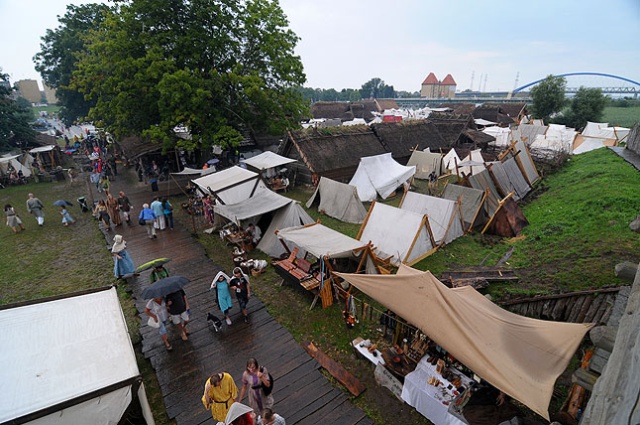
x: 621, y: 117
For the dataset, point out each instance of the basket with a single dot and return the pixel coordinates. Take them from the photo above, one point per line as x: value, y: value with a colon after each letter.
x: 256, y: 272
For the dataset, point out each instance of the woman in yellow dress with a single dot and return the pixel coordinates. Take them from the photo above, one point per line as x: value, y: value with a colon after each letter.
x: 220, y: 392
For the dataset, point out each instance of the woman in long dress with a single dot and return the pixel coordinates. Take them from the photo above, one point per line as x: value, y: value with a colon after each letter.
x: 122, y: 262
x: 220, y: 285
x: 114, y: 210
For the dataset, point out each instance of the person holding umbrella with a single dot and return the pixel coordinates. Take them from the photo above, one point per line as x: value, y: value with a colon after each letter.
x: 156, y: 309
x: 178, y: 307
x: 159, y: 272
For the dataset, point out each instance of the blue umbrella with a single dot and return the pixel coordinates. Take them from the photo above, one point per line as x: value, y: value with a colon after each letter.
x: 62, y: 203
x: 213, y: 161
x: 163, y: 287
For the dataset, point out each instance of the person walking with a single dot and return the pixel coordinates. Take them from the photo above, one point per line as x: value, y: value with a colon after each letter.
x: 269, y: 417
x: 254, y: 380
x: 66, y: 217
x: 102, y: 214
x: 167, y: 208
x: 35, y: 207
x: 148, y: 218
x: 122, y: 262
x: 113, y: 207
x: 158, y: 272
x: 156, y: 206
x: 220, y: 392
x: 156, y: 309
x: 125, y: 207
x: 220, y: 286
x: 13, y: 220
x: 178, y: 307
x: 240, y: 284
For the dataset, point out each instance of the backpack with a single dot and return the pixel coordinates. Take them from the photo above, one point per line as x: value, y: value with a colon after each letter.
x: 267, y: 390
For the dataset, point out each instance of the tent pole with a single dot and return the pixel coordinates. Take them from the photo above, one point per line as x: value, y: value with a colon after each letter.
x: 366, y: 219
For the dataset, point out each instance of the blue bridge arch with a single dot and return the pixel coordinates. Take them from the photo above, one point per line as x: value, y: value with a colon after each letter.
x: 570, y: 74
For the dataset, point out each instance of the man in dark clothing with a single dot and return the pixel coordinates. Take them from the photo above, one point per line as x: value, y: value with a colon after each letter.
x: 240, y: 284
x: 488, y: 406
x: 178, y: 307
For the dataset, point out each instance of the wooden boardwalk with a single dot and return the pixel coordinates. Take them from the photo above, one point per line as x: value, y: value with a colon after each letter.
x: 302, y: 394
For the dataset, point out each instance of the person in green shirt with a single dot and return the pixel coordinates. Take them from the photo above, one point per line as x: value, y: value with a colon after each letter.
x: 158, y: 273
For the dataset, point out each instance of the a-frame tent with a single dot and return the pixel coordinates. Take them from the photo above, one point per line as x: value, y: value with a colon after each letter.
x: 231, y: 185
x: 471, y: 202
x: 68, y: 360
x: 425, y: 162
x: 444, y: 215
x: 380, y: 175
x: 338, y: 200
x: 402, y: 235
x: 520, y: 356
x: 508, y: 178
x: 284, y: 212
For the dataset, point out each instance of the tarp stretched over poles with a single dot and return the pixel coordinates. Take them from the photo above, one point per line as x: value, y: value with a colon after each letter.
x: 231, y: 185
x: 520, y: 356
x: 444, y: 215
x: 380, y: 175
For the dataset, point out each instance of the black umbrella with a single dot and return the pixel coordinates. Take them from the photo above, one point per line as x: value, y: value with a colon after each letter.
x: 62, y: 203
x: 163, y: 287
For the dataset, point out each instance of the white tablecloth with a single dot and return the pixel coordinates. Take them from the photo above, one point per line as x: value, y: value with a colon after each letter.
x: 427, y: 399
x: 375, y: 359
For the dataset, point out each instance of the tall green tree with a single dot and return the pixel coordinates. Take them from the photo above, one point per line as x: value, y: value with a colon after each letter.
x: 15, y: 131
x: 587, y: 105
x: 376, y: 88
x: 548, y: 97
x: 220, y: 67
x: 57, y: 59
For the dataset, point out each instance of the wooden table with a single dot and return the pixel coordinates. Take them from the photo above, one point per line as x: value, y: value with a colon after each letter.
x: 296, y: 276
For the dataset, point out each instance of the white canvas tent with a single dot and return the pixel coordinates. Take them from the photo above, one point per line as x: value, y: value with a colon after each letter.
x: 450, y: 160
x: 231, y: 185
x: 195, y: 172
x: 501, y: 134
x: 68, y: 360
x: 425, y: 162
x: 402, y: 235
x: 286, y: 213
x: 444, y: 216
x: 338, y: 200
x: 267, y: 161
x: 471, y: 202
x: 471, y: 164
x: 12, y: 160
x: 520, y: 356
x: 381, y: 175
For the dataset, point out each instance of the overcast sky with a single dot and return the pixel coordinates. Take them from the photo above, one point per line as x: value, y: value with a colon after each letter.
x: 345, y: 43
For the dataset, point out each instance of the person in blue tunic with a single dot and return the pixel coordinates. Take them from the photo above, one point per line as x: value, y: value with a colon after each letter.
x: 220, y: 285
x: 122, y: 263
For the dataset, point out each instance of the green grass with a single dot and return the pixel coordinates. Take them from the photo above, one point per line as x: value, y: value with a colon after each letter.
x: 622, y: 117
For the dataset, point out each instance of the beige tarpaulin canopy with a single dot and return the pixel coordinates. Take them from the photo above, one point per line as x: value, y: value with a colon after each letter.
x: 520, y: 356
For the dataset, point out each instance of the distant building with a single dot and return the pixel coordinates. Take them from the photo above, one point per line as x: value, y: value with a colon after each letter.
x: 29, y: 90
x: 50, y: 95
x: 432, y: 88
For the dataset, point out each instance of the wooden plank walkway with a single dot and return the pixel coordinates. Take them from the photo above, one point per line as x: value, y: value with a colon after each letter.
x: 302, y: 394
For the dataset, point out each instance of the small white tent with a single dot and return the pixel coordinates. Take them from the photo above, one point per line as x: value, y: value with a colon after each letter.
x: 379, y: 174
x: 338, y: 200
x: 286, y: 213
x: 68, y: 360
x: 400, y: 234
x: 12, y: 160
x: 425, y: 162
x: 444, y: 215
x: 231, y: 185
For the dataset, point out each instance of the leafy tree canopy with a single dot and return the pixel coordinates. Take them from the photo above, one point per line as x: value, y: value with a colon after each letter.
x: 219, y: 67
x: 57, y: 59
x: 376, y: 88
x: 15, y: 130
x: 587, y: 105
x: 548, y: 97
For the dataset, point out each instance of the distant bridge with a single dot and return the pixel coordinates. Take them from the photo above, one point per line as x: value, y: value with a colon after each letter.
x: 634, y: 89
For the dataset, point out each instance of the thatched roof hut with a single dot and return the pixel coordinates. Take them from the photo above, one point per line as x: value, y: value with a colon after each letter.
x: 451, y: 126
x: 402, y: 138
x: 494, y: 113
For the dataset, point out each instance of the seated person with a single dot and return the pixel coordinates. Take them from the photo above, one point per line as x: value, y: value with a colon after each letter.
x: 488, y: 406
x: 254, y: 233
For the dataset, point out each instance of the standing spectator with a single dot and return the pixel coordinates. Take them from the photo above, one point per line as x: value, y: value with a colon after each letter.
x: 13, y: 220
x: 220, y: 392
x: 156, y: 309
x: 66, y: 217
x: 207, y: 206
x: 113, y: 208
x: 156, y: 206
x: 178, y: 306
x: 102, y: 214
x: 105, y: 184
x: 168, y: 212
x: 35, y: 207
x: 240, y: 284
x: 220, y: 285
x: 122, y: 262
x: 125, y: 207
x: 159, y: 272
x: 269, y: 417
x: 148, y: 217
x: 255, y: 379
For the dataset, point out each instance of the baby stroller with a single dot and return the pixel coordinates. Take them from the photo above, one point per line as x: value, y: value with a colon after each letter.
x: 214, y: 323
x: 83, y: 204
